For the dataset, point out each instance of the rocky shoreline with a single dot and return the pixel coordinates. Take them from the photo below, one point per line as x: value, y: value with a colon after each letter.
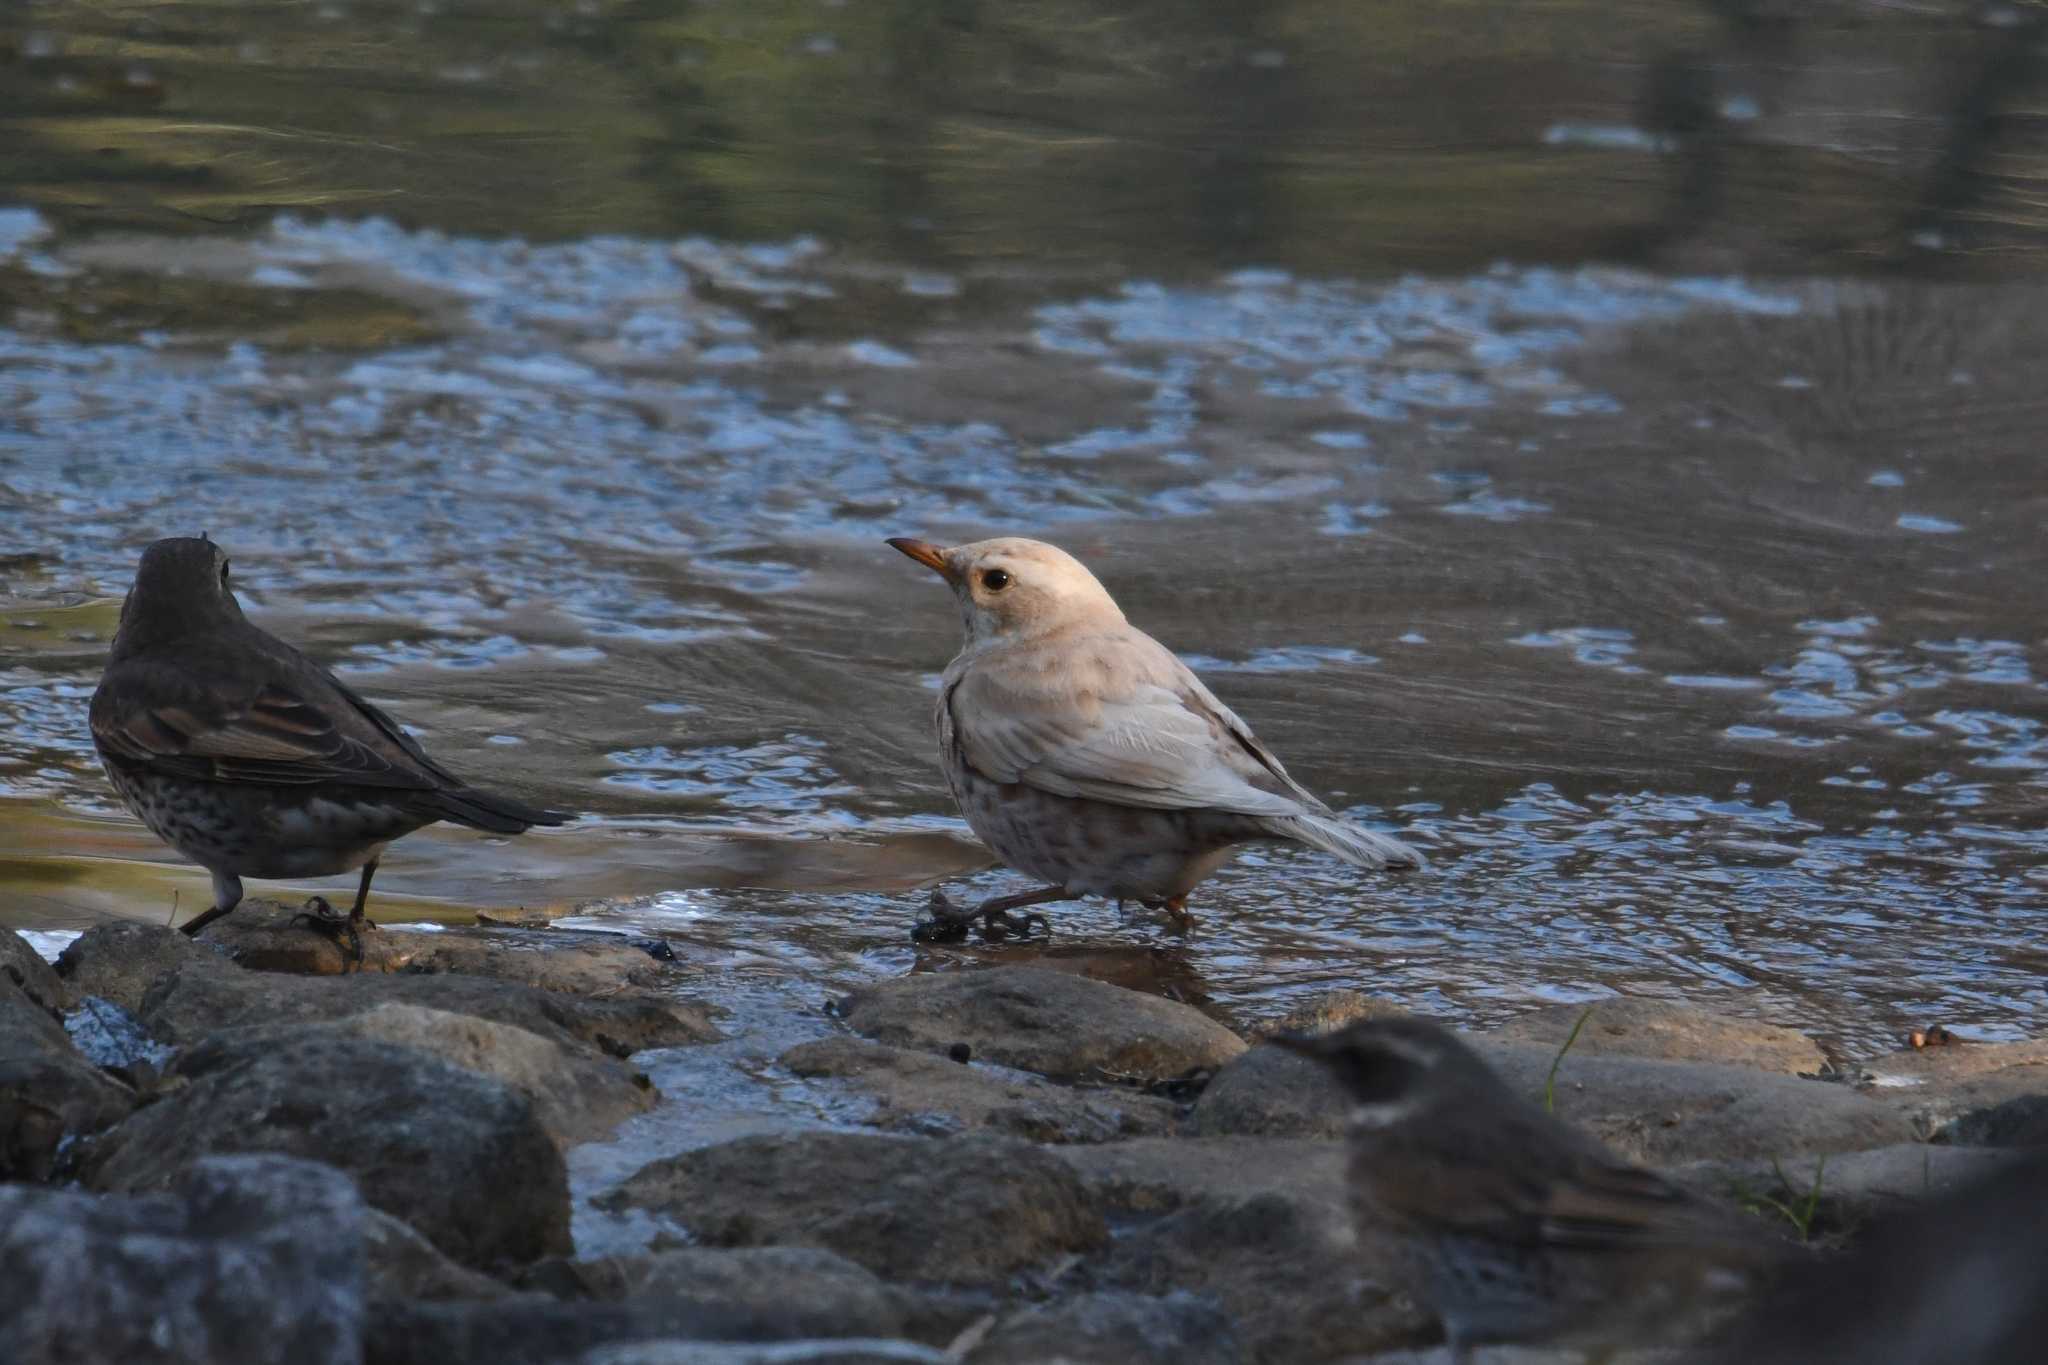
x: 248, y: 1147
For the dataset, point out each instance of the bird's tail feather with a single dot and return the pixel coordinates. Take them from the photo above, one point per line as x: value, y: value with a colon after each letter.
x: 1342, y: 839
x: 490, y: 811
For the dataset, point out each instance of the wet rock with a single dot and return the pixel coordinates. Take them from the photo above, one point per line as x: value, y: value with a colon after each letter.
x: 1269, y: 1092
x: 916, y: 1092
x: 270, y: 936
x: 1056, y: 1024
x: 1114, y: 1328
x: 122, y: 959
x: 24, y: 967
x: 204, y: 997
x: 459, y: 1157
x: 578, y: 1094
x: 1951, y: 1093
x: 243, y: 1261
x: 962, y: 1210
x: 521, y: 917
x: 768, y: 1292
x: 400, y: 1264
x: 1328, y: 1012
x: 48, y: 1092
x: 1854, y: 1187
x: 1661, y: 1113
x: 1623, y: 1027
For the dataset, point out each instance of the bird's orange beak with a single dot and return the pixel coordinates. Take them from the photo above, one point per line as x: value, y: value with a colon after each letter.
x: 927, y: 554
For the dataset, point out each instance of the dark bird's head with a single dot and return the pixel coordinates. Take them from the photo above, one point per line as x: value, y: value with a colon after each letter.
x: 1394, y: 1069
x: 181, y: 588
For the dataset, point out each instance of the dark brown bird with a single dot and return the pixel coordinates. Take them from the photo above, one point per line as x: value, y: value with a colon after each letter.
x: 1506, y: 1221
x: 249, y: 758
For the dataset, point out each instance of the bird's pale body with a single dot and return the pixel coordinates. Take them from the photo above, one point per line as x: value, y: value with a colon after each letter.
x: 1086, y: 754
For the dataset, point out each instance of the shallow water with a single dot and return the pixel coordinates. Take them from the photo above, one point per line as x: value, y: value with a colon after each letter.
x: 1678, y: 592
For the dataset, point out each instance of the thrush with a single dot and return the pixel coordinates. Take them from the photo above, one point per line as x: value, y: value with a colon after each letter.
x: 1088, y: 756
x: 249, y: 758
x: 1508, y: 1223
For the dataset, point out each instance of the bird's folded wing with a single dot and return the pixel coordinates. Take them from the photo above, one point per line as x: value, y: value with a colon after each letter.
x: 177, y: 725
x: 1109, y: 736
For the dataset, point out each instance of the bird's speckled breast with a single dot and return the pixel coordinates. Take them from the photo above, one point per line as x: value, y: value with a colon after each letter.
x: 263, y: 831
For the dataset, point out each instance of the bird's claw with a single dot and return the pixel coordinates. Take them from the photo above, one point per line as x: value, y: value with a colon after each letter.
x: 948, y: 922
x: 998, y: 925
x: 323, y: 918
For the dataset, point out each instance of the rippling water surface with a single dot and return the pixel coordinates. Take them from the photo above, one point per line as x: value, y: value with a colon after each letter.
x: 1678, y: 591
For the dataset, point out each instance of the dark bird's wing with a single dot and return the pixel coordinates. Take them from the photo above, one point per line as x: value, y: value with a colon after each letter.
x: 258, y: 711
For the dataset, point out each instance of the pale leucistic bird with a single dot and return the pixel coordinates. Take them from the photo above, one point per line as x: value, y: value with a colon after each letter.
x: 1086, y: 755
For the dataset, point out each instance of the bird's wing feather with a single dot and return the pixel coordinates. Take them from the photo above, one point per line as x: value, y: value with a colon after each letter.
x: 156, y: 714
x: 1117, y: 718
x: 1568, y: 1192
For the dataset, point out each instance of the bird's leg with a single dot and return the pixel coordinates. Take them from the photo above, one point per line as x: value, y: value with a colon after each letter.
x: 227, y: 894
x: 356, y: 916
x: 948, y: 922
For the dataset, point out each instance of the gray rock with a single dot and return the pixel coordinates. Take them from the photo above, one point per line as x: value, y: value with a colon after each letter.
x: 1269, y: 1092
x: 1950, y: 1093
x: 1159, y: 1175
x: 1620, y: 1026
x: 916, y: 1092
x: 120, y: 960
x: 522, y: 1329
x: 398, y: 1263
x: 1285, y: 1268
x: 2018, y: 1122
x: 578, y: 1095
x: 244, y: 1261
x: 1855, y: 1187
x: 770, y: 1292
x: 458, y: 1156
x: 1113, y: 1328
x: 1056, y: 1024
x: 22, y: 965
x: 1662, y: 1113
x: 967, y: 1210
x: 270, y: 936
x: 203, y: 997
x: 48, y: 1093
x: 870, y: 1352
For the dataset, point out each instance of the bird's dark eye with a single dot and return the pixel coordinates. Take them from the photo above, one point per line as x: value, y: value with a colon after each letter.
x: 224, y: 573
x: 995, y: 580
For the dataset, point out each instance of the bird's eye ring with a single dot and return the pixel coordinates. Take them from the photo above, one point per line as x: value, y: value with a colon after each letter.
x: 995, y: 580
x: 224, y: 573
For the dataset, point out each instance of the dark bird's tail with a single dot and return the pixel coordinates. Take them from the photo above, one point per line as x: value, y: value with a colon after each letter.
x: 489, y: 811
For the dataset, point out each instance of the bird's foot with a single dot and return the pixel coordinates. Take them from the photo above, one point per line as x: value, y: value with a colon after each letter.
x: 323, y: 918
x: 947, y: 924
x: 999, y: 924
x: 1173, y: 913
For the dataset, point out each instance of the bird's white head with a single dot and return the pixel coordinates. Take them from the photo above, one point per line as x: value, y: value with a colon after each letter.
x: 1015, y: 589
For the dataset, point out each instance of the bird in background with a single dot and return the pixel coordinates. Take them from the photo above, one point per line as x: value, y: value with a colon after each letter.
x: 1508, y: 1223
x: 1088, y: 756
x: 249, y: 758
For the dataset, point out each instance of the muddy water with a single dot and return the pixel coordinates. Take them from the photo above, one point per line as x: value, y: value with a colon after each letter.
x: 1676, y: 585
